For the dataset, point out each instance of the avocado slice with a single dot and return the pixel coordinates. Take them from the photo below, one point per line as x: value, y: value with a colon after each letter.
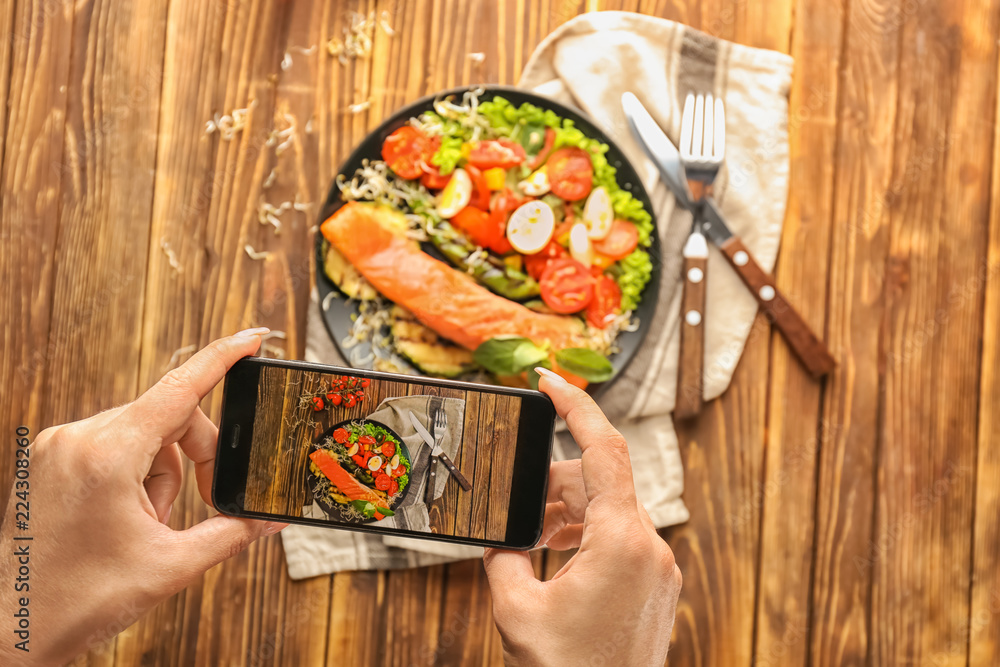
x: 426, y: 350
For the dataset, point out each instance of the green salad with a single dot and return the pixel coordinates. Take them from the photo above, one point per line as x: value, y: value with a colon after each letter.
x: 525, y: 203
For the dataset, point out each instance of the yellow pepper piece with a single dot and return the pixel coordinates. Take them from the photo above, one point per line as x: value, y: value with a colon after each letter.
x: 515, y: 262
x: 601, y: 261
x: 495, y: 178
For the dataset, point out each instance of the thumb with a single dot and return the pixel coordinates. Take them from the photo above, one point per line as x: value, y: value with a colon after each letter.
x: 508, y: 571
x: 220, y: 537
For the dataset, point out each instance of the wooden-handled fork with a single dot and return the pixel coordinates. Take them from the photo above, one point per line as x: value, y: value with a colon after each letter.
x: 703, y: 146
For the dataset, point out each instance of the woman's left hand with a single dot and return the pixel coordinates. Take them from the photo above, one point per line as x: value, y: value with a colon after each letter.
x: 101, y: 491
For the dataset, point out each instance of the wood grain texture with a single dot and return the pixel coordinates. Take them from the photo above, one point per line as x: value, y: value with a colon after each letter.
x: 29, y: 190
x: 848, y: 431
x: 933, y: 323
x: 797, y: 357
x: 853, y: 522
x: 691, y: 364
x: 984, y: 612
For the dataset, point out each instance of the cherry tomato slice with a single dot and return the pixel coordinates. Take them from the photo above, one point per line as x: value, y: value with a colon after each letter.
x: 388, y: 449
x: 504, y: 203
x: 399, y: 470
x: 543, y: 155
x: 620, y: 241
x: 567, y: 286
x: 366, y: 440
x: 497, y: 153
x: 383, y: 482
x: 606, y: 302
x: 393, y: 488
x: 476, y: 224
x: 536, y: 264
x: 405, y: 150
x: 359, y: 460
x: 571, y: 173
x: 433, y: 180
x: 341, y: 435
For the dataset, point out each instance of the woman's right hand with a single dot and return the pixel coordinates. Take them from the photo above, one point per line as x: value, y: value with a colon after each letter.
x: 614, y: 602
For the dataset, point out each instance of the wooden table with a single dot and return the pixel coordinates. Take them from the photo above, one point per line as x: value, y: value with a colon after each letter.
x: 849, y: 522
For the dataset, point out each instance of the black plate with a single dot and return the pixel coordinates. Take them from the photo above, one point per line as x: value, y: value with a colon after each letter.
x: 334, y: 510
x: 338, y: 316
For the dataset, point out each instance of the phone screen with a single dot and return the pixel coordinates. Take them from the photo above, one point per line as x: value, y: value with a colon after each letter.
x: 383, y: 453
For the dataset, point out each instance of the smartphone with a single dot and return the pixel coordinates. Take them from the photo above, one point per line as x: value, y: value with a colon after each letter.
x: 383, y: 453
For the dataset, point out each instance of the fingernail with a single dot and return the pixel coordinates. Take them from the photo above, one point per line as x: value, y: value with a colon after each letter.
x: 273, y: 527
x: 552, y: 375
x: 256, y: 331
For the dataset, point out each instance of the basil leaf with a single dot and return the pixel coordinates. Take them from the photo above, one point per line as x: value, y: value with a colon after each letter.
x: 509, y: 356
x: 590, y: 365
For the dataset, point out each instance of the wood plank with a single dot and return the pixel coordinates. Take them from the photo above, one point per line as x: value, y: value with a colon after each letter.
x: 848, y: 433
x: 267, y: 419
x: 413, y: 614
x: 30, y: 189
x: 468, y: 634
x: 466, y: 462
x: 204, y: 206
x: 505, y: 425
x: 307, y: 606
x: 359, y: 603
x: 794, y: 398
x: 937, y: 247
x: 479, y: 510
x: 984, y: 612
x: 7, y: 28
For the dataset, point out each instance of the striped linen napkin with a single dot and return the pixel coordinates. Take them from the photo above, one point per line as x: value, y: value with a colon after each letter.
x: 588, y: 63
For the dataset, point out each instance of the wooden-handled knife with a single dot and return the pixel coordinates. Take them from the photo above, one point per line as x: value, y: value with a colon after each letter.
x: 804, y: 342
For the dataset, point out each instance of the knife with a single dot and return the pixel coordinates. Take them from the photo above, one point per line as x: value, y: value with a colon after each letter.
x: 438, y: 452
x: 804, y: 343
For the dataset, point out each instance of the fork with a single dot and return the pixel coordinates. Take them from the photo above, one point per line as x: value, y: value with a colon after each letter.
x: 440, y: 424
x: 703, y: 146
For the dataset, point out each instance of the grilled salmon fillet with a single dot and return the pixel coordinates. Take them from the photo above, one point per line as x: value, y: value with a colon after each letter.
x: 441, y: 297
x: 344, y: 480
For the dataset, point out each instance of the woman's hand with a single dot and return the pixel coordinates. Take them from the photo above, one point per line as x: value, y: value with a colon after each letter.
x: 614, y: 602
x: 101, y: 491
